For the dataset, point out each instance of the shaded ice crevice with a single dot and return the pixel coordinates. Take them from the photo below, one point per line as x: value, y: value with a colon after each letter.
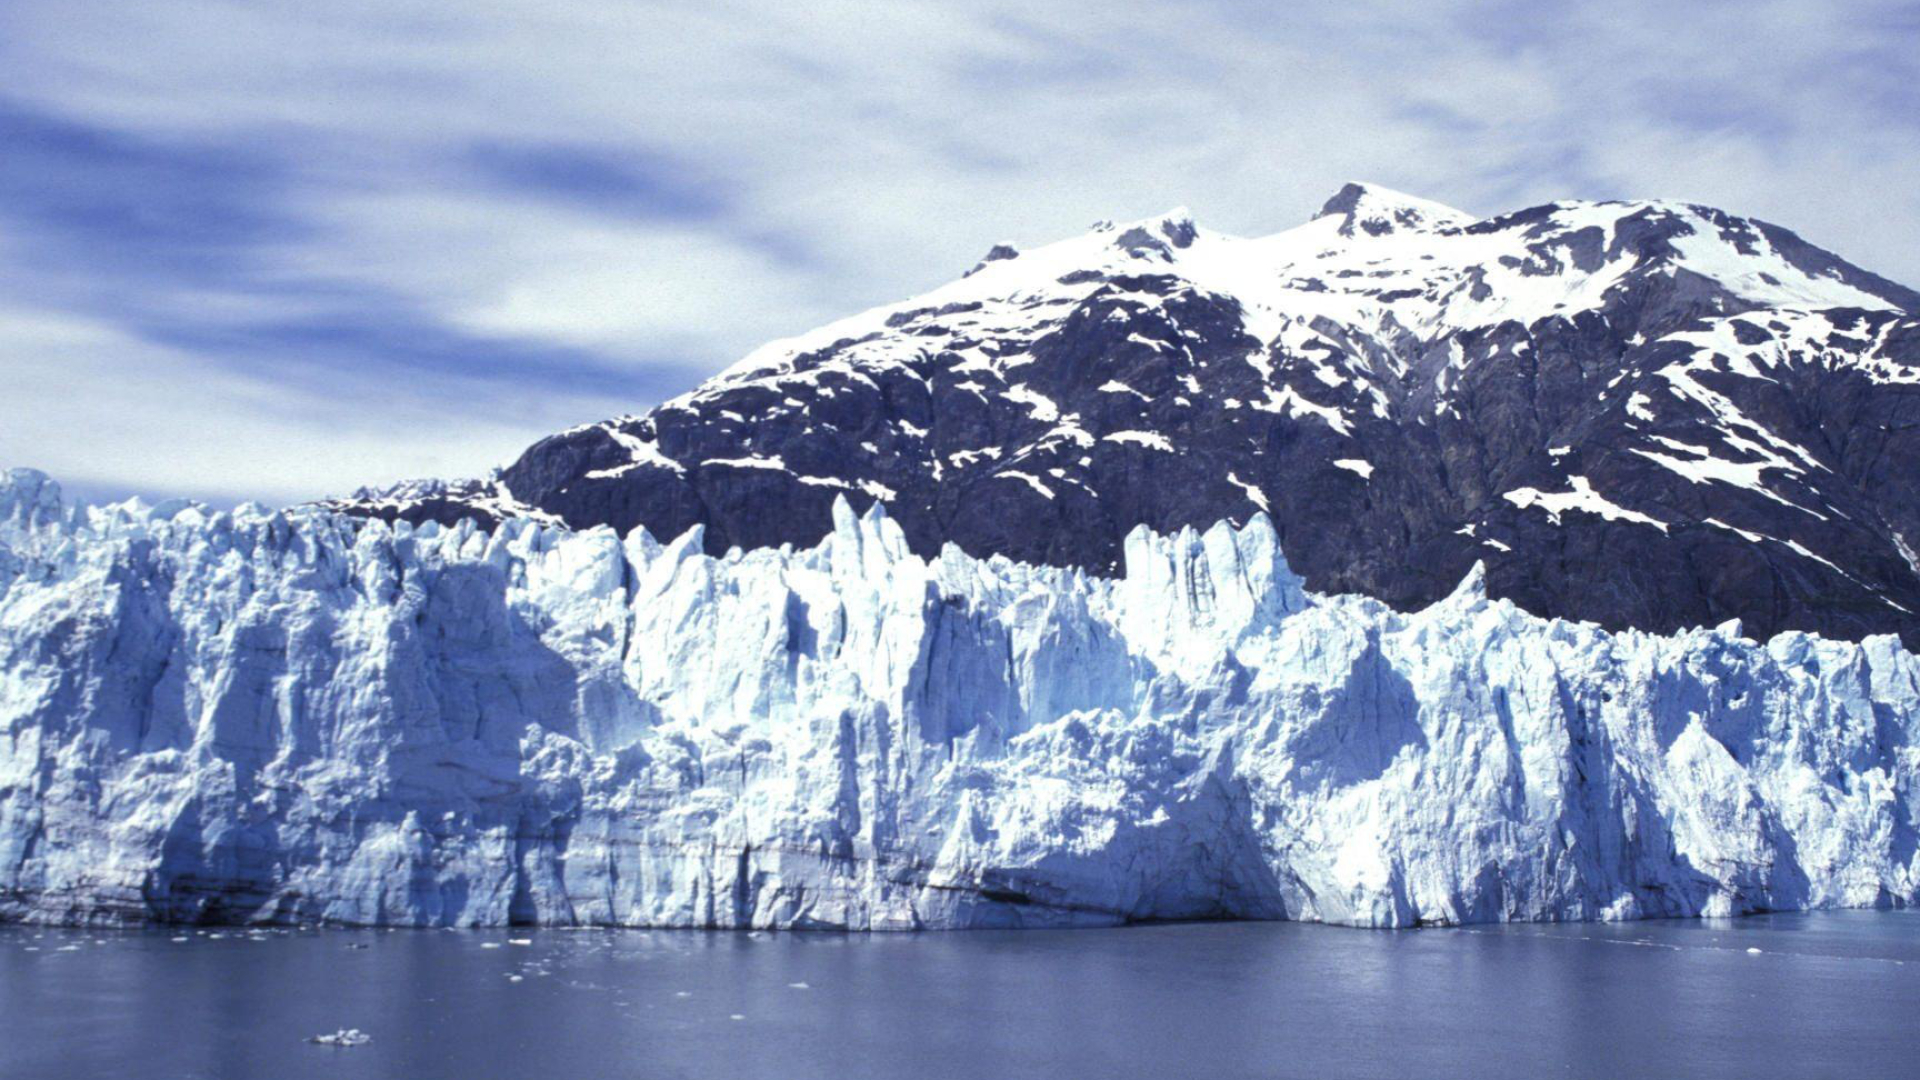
x: 300, y: 715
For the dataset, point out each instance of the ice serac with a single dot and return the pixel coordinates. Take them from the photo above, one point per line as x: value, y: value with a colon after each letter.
x: 291, y: 716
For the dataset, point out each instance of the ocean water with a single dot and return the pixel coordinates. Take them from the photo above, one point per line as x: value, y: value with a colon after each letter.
x: 1827, y: 994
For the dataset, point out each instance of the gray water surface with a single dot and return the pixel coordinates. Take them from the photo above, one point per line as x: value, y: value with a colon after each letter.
x: 1830, y: 994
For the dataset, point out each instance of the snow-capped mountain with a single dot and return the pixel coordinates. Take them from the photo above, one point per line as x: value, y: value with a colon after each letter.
x: 1644, y: 414
x: 302, y: 715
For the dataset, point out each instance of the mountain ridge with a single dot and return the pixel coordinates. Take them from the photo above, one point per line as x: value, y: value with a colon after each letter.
x: 1645, y: 414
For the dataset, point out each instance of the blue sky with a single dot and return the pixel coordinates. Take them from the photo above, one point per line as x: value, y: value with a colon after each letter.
x: 277, y: 250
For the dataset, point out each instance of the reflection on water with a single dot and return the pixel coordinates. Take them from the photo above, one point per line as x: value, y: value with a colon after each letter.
x: 1832, y: 994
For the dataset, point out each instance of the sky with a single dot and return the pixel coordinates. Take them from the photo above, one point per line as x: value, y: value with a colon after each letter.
x: 278, y: 250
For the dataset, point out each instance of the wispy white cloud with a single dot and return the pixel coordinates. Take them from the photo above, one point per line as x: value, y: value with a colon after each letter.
x: 421, y: 235
x: 111, y: 415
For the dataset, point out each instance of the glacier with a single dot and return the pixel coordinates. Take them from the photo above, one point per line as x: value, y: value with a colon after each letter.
x: 303, y: 716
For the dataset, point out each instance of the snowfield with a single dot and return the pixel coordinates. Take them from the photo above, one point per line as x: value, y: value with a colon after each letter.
x: 300, y: 715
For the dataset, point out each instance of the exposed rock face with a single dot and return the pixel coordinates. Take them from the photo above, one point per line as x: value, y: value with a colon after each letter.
x: 1648, y: 415
x: 304, y: 715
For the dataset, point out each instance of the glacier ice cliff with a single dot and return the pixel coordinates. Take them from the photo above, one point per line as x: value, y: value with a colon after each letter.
x: 298, y: 715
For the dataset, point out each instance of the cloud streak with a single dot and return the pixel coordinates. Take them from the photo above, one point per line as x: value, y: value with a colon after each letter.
x: 412, y: 238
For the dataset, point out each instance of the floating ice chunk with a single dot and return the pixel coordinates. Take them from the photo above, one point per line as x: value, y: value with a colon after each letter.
x: 343, y: 1037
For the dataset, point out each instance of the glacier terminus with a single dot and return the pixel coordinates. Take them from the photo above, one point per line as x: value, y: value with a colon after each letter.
x: 303, y: 715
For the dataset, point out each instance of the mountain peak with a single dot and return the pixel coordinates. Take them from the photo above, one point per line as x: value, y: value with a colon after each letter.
x: 1379, y: 211
x: 1160, y: 234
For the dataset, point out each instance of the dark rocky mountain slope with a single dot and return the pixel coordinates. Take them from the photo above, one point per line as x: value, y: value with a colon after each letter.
x: 1644, y: 414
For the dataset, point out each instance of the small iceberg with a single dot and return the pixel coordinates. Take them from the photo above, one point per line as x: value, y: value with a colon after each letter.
x: 343, y: 1037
